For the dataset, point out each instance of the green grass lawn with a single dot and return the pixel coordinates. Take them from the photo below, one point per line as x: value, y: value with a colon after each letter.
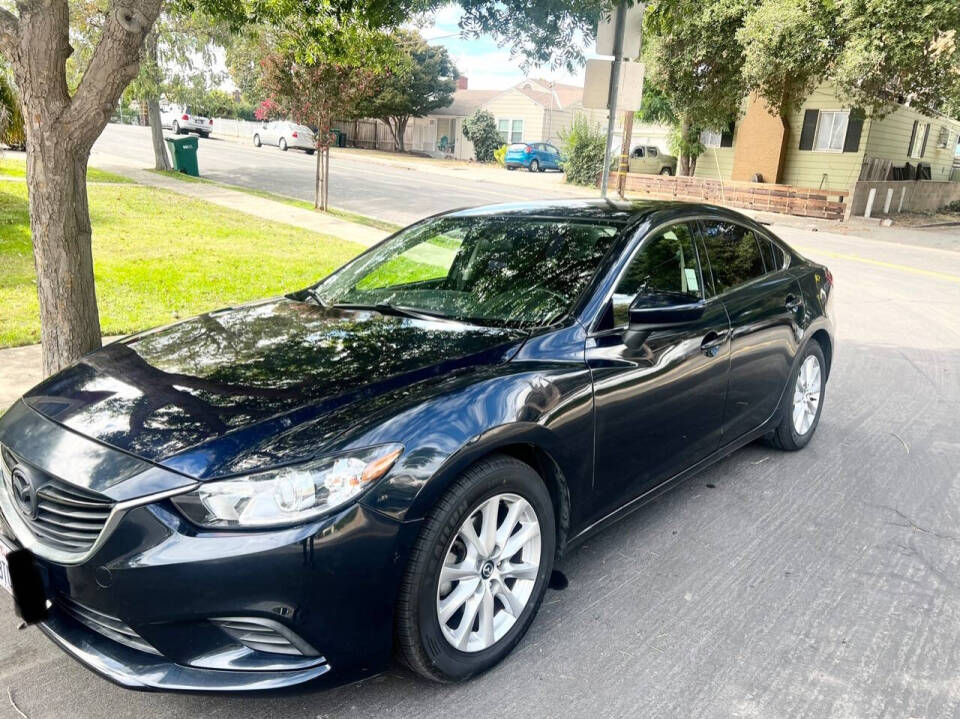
x: 17, y: 167
x: 292, y: 201
x: 160, y: 256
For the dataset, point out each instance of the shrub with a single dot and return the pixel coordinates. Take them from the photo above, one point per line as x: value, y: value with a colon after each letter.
x: 11, y: 118
x: 583, y: 148
x: 952, y: 207
x: 481, y: 129
x: 500, y: 155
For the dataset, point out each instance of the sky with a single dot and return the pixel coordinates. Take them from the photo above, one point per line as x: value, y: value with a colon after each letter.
x: 486, y: 66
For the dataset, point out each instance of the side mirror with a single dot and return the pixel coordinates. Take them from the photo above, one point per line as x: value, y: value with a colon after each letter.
x: 650, y: 313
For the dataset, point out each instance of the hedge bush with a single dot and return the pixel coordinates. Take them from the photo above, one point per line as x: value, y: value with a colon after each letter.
x: 583, y: 149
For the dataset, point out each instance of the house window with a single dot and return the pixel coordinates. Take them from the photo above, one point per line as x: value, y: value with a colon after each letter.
x: 503, y: 127
x: 710, y: 138
x: 943, y: 139
x: 919, y: 139
x: 516, y: 131
x: 831, y: 130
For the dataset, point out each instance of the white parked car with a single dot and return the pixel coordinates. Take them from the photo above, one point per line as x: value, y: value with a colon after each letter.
x: 181, y: 119
x: 285, y: 135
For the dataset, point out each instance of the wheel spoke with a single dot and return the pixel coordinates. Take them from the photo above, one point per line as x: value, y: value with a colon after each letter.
x: 486, y: 617
x: 462, y: 634
x: 469, y: 536
x: 512, y: 603
x: 518, y: 540
x: 488, y: 525
x: 509, y: 523
x: 458, y: 572
x: 521, y: 570
x: 453, y: 601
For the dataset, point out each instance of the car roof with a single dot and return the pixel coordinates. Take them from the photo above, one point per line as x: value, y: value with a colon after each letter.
x: 617, y: 212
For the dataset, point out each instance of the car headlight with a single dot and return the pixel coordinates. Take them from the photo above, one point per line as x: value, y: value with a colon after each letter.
x: 289, y: 495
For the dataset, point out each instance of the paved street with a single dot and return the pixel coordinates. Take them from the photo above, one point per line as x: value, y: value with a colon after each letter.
x: 385, y: 190
x: 824, y: 583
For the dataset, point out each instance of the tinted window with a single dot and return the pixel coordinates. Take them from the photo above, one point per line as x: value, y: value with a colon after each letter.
x: 665, y: 265
x: 638, y: 152
x: 772, y: 255
x: 734, y: 254
x: 492, y: 270
x: 652, y: 151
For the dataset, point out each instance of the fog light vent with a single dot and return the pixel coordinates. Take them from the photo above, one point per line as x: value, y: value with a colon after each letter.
x: 264, y: 635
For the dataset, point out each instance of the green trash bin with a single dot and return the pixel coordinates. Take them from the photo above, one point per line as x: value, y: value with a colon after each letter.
x: 340, y: 138
x: 183, y: 153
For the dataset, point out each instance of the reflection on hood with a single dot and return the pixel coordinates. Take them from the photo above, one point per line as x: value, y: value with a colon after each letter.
x: 218, y: 375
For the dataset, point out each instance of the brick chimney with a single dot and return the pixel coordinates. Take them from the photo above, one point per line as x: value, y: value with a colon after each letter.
x: 462, y: 82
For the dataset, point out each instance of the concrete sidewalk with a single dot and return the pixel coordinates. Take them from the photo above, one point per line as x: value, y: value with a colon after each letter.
x: 272, y: 210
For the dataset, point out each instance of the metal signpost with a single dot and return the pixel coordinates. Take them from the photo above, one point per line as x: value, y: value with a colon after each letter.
x: 618, y: 32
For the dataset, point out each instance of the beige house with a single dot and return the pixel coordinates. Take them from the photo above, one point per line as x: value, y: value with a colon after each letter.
x: 825, y: 144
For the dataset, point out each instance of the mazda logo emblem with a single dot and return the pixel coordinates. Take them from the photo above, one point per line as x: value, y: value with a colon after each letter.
x: 24, y: 496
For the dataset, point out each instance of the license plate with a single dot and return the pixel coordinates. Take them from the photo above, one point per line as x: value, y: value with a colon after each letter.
x: 5, y: 582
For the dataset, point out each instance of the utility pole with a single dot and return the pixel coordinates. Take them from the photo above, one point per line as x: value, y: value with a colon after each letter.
x: 628, y: 125
x: 619, y: 28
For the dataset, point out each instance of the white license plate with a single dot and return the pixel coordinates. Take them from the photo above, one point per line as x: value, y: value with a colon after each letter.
x: 5, y: 569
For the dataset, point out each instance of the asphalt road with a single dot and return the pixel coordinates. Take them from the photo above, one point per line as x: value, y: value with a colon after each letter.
x: 823, y: 583
x: 388, y: 191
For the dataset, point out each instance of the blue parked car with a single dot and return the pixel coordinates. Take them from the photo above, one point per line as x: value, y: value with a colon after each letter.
x: 535, y: 156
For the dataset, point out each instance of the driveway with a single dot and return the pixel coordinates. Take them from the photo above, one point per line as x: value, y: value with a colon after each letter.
x: 388, y: 190
x: 822, y: 583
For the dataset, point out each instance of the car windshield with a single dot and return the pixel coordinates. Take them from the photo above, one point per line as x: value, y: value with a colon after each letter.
x: 504, y: 271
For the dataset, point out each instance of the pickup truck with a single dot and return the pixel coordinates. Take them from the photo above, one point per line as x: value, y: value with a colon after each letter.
x: 649, y: 160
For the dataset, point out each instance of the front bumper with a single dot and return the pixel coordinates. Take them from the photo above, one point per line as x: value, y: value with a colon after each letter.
x: 156, y: 601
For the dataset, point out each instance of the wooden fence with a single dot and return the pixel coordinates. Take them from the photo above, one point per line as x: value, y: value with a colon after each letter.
x: 805, y: 202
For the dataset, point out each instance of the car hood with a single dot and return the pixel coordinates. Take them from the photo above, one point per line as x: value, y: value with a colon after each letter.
x: 182, y: 393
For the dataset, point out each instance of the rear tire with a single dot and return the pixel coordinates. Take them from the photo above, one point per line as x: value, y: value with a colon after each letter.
x: 534, y: 166
x: 666, y: 171
x: 282, y: 144
x: 310, y: 152
x: 422, y: 643
x: 511, y: 167
x: 256, y: 141
x: 798, y: 419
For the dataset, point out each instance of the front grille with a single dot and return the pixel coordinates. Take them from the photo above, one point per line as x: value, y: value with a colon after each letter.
x: 104, y: 624
x: 67, y: 517
x: 264, y: 635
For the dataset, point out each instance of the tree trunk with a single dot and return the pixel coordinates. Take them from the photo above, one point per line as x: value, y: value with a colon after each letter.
x: 160, y: 159
x: 326, y: 177
x: 60, y: 224
x: 401, y: 131
x: 317, y: 190
x: 683, y: 166
x: 60, y: 130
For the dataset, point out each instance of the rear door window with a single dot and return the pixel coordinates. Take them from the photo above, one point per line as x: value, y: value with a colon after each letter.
x: 773, y: 256
x: 734, y: 252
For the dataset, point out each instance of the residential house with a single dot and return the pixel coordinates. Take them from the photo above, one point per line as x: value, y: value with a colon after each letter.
x: 826, y: 144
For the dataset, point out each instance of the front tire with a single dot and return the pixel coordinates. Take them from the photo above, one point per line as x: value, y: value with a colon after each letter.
x: 477, y: 573
x: 666, y: 171
x: 802, y: 401
x: 534, y: 166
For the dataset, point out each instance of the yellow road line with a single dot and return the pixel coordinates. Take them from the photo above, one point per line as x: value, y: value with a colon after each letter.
x: 811, y: 251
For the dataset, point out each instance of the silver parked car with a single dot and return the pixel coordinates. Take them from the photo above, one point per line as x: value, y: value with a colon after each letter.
x: 285, y: 135
x: 182, y: 119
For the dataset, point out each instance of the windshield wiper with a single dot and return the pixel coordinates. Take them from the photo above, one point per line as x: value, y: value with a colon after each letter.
x: 387, y: 308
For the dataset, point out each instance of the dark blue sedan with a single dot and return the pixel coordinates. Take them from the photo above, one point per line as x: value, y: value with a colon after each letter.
x: 393, y: 460
x: 535, y: 156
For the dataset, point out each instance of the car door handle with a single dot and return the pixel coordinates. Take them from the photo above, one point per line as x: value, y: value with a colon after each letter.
x: 793, y: 302
x: 712, y: 342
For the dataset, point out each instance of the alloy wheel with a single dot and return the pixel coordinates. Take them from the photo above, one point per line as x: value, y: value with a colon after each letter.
x: 806, y: 395
x: 489, y: 573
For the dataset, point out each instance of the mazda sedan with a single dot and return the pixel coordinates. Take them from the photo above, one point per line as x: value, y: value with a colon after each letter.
x: 392, y: 461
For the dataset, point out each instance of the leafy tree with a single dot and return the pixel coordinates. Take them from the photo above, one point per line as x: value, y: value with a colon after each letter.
x: 424, y: 82
x: 243, y: 53
x: 481, y: 129
x: 583, y: 149
x: 695, y: 61
x: 316, y: 77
